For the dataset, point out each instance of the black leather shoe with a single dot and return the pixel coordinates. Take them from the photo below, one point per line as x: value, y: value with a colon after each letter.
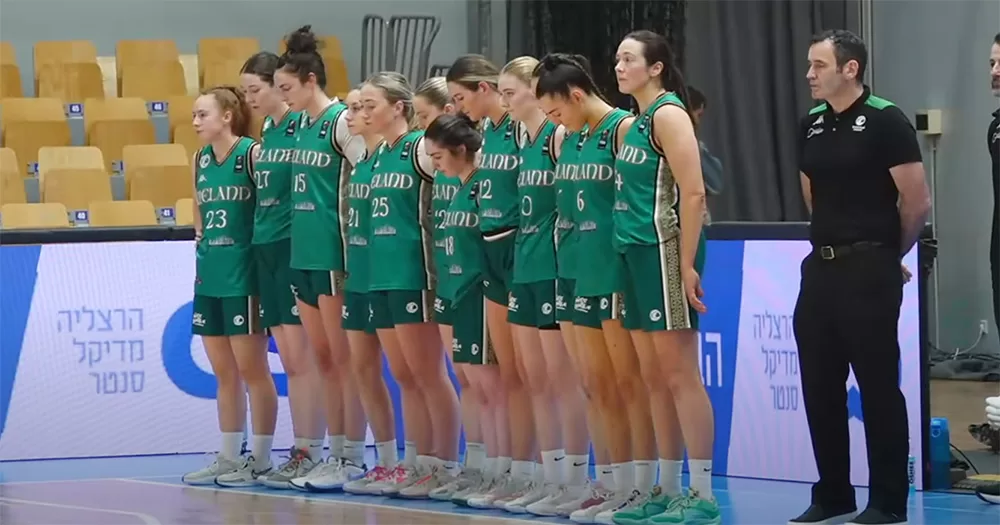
x: 821, y: 514
x: 989, y: 493
x: 872, y: 516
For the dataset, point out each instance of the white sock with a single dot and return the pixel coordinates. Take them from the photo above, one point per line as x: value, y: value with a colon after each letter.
x: 522, y: 469
x: 539, y: 475
x: 624, y: 474
x: 315, y: 448
x: 475, y: 455
x: 489, y: 466
x: 262, y: 448
x: 645, y: 475
x: 410, y: 453
x: 670, y: 476
x: 388, y: 453
x: 232, y: 445
x: 336, y: 446
x: 354, y: 451
x: 606, y: 476
x: 504, y: 465
x: 453, y: 468
x: 701, y: 477
x: 552, y: 465
x: 576, y: 469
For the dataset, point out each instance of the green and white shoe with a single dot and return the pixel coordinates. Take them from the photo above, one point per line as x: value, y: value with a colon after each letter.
x: 656, y: 504
x: 691, y: 509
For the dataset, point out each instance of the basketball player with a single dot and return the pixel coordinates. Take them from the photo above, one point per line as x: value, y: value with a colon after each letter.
x: 479, y: 385
x: 366, y: 355
x: 663, y: 254
x: 472, y: 82
x: 225, y: 288
x: 401, y: 281
x: 320, y: 170
x: 557, y: 397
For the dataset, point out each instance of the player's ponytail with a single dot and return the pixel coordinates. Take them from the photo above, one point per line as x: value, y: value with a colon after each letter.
x: 230, y: 99
x: 558, y: 73
x: 656, y: 48
x: 456, y: 133
x: 396, y: 90
x: 469, y: 70
x: 302, y: 56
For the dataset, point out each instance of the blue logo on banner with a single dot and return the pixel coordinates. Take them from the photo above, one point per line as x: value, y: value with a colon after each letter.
x: 854, y: 410
x: 20, y: 271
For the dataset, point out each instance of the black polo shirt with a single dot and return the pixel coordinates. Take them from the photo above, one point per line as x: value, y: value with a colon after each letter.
x: 847, y: 157
x: 993, y: 141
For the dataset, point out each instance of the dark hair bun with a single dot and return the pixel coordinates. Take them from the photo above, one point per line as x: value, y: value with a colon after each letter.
x: 454, y: 131
x: 302, y: 41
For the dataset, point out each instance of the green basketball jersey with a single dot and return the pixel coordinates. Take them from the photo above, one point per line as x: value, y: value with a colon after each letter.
x: 444, y: 191
x: 359, y: 213
x: 646, y: 201
x: 463, y: 240
x: 565, y: 174
x: 225, y: 193
x: 595, y: 200
x: 535, y: 245
x: 401, y: 223
x: 318, y: 193
x: 498, y: 191
x: 272, y: 219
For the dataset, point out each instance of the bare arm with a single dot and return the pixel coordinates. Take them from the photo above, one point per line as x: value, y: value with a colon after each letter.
x: 675, y: 134
x: 623, y: 127
x: 807, y: 194
x: 914, y: 202
x: 557, y: 141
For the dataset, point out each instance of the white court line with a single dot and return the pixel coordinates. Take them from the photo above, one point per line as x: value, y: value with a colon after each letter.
x: 472, y: 518
x: 84, y: 480
x: 145, y: 518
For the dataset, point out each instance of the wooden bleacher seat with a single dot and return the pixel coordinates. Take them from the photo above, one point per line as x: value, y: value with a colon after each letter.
x: 159, y: 173
x: 10, y: 81
x: 76, y: 188
x: 70, y: 82
x: 64, y: 52
x: 155, y: 82
x: 212, y: 51
x: 185, y: 135
x: 184, y: 212
x: 223, y: 73
x: 337, y: 82
x: 11, y: 178
x: 34, y: 216
x: 113, y: 123
x: 7, y: 53
x: 133, y: 52
x: 29, y: 124
x: 179, y: 112
x: 122, y: 213
x: 68, y: 157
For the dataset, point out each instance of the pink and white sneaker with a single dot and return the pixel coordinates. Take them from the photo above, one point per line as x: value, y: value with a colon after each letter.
x: 398, y: 478
x: 369, y: 484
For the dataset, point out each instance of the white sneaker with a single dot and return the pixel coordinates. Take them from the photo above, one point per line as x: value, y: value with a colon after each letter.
x: 245, y: 476
x: 621, y: 501
x: 594, y: 505
x: 206, y: 476
x: 333, y: 480
x: 371, y: 483
x: 325, y: 470
x: 503, y: 490
x: 298, y: 465
x: 468, y: 479
x: 562, y: 502
x: 461, y: 497
x: 401, y: 477
x: 537, y: 492
x: 437, y: 478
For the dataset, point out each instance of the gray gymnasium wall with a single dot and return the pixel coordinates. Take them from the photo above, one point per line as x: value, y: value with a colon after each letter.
x: 935, y: 54
x: 23, y: 22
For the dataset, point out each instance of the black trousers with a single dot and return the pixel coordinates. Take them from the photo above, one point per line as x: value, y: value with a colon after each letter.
x: 995, y: 265
x: 847, y: 315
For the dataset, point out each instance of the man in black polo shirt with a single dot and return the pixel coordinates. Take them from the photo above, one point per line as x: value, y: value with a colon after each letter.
x: 993, y: 141
x: 863, y: 181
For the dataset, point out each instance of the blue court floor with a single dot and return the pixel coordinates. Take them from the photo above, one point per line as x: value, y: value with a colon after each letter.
x: 148, y: 491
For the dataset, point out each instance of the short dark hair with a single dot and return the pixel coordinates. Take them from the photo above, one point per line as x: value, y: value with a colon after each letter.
x: 456, y: 133
x: 996, y: 39
x: 846, y: 47
x: 698, y: 100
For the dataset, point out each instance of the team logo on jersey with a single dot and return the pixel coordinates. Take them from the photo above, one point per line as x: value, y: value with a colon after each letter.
x: 239, y: 320
x: 240, y: 163
x: 655, y: 315
x: 412, y: 307
x: 546, y: 308
x: 324, y: 130
x: 602, y: 143
x: 474, y: 192
x: 510, y: 131
x: 859, y: 123
x: 643, y: 123
x: 407, y: 146
x: 204, y: 161
x: 475, y: 349
x: 290, y: 130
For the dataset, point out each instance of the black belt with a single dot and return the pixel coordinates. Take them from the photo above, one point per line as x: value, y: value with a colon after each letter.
x: 829, y: 253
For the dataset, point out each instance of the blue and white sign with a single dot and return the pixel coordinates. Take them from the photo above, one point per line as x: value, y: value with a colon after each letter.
x: 97, y: 338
